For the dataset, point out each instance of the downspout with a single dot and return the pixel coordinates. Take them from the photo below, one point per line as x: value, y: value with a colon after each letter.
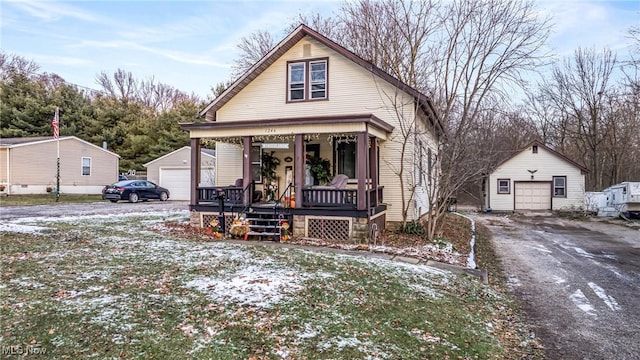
x: 8, y: 172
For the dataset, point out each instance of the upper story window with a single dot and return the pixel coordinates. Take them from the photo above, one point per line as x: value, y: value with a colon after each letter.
x: 307, y: 80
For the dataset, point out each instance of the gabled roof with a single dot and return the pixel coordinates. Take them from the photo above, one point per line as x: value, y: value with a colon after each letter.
x: 550, y: 150
x: 287, y: 43
x: 207, y: 152
x: 30, y: 141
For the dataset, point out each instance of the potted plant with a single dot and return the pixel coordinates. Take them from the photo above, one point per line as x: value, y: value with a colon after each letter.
x: 320, y: 169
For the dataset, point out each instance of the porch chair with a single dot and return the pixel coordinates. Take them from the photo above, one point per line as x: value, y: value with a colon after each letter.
x: 339, y: 182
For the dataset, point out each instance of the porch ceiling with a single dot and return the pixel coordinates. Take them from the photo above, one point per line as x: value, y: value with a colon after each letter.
x: 291, y: 126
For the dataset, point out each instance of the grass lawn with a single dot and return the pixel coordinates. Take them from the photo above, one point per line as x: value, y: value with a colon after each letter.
x: 47, y: 199
x: 119, y: 286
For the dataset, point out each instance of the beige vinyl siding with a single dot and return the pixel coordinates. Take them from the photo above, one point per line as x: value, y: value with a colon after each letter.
x: 547, y: 165
x: 4, y: 177
x: 228, y: 164
x: 351, y: 90
x: 35, y: 165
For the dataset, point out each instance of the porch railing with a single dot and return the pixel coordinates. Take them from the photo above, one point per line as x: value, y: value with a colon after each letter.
x: 311, y: 197
x: 373, y: 200
x: 343, y: 198
x: 232, y: 194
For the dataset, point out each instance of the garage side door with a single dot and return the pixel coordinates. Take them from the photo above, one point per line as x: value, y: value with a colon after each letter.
x: 533, y: 196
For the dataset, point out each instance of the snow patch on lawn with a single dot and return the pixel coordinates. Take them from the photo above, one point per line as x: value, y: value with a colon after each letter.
x: 22, y: 229
x: 255, y: 285
x: 27, y: 283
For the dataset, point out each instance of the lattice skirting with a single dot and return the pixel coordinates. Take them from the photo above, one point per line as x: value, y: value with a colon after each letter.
x: 329, y: 228
x: 205, y: 220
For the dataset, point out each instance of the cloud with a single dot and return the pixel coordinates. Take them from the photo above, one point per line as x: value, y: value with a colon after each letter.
x: 51, y: 11
x: 179, y: 56
x: 58, y: 60
x: 587, y: 24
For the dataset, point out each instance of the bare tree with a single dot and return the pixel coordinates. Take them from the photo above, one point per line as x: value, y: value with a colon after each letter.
x: 121, y: 86
x: 252, y: 49
x: 462, y: 53
x: 12, y: 65
x: 578, y: 90
x: 479, y: 53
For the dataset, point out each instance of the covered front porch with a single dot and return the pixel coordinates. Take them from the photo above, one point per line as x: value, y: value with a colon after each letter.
x: 344, y: 151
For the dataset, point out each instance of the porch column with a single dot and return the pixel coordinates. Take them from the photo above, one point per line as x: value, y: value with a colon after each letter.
x: 298, y: 164
x: 373, y: 167
x: 246, y: 169
x: 361, y: 154
x: 195, y: 170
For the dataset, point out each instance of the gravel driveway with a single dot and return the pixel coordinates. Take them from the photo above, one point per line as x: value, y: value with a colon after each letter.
x: 579, y: 282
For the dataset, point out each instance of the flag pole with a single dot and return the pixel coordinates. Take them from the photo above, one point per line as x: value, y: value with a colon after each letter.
x: 56, y: 134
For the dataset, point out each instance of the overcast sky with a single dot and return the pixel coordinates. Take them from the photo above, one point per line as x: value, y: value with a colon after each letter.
x: 191, y: 44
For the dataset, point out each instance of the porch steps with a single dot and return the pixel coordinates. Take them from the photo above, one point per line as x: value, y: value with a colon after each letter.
x: 264, y: 226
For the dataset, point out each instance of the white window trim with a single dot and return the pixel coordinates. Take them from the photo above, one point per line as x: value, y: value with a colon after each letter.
x: 508, y: 186
x: 311, y: 82
x: 564, y: 186
x: 82, y: 166
x: 303, y: 82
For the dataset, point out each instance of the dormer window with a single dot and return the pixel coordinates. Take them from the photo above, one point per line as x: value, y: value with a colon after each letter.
x: 307, y: 80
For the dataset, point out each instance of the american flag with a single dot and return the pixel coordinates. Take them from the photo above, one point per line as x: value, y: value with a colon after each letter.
x: 56, y: 125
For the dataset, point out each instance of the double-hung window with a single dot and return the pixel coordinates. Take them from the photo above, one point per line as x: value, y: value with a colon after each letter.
x: 86, y: 166
x: 318, y: 79
x: 559, y: 186
x: 296, y: 81
x: 307, y: 80
x: 504, y: 186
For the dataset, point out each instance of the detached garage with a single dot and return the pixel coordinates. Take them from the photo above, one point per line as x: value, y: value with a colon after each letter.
x: 173, y: 171
x: 536, y: 178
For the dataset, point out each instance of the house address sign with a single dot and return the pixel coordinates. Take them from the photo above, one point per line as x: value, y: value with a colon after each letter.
x: 275, y: 145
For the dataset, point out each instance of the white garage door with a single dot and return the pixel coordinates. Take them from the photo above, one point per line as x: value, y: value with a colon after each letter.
x: 533, y: 196
x: 179, y: 180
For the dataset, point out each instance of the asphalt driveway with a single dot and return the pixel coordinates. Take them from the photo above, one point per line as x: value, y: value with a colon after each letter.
x: 578, y: 282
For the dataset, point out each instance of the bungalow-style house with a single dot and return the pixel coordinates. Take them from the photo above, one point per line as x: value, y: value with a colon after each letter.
x: 536, y: 178
x: 172, y: 171
x: 310, y: 101
x: 28, y: 165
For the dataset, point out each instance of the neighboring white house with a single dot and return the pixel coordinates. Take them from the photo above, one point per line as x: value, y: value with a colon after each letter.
x: 536, y: 178
x: 172, y: 171
x: 28, y: 165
